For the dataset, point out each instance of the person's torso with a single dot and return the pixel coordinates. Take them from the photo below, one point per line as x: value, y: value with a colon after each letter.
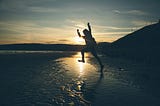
x: 90, y: 41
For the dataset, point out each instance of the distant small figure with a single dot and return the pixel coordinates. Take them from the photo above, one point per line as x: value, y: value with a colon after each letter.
x: 90, y: 45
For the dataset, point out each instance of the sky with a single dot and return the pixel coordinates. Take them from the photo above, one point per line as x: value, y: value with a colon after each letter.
x: 56, y: 21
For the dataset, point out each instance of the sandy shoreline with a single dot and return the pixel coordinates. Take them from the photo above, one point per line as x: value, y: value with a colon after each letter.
x: 20, y: 73
x: 56, y: 78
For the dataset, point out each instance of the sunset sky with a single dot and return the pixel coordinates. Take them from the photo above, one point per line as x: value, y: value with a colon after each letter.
x: 56, y: 21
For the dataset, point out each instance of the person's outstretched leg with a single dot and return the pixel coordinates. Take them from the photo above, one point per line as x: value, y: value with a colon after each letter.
x: 94, y: 53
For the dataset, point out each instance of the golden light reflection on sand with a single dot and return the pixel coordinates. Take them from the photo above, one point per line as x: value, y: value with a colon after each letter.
x: 79, y: 75
x: 83, y: 68
x: 78, y: 68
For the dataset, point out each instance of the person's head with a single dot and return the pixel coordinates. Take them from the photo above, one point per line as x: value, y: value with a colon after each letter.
x: 86, y: 32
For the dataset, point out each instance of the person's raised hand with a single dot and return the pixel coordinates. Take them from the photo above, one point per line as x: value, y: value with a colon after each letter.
x: 88, y: 24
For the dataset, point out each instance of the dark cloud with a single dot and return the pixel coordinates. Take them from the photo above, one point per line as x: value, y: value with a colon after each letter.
x: 64, y: 40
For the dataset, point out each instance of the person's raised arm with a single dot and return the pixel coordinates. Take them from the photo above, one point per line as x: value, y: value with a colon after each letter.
x: 78, y: 33
x: 89, y: 27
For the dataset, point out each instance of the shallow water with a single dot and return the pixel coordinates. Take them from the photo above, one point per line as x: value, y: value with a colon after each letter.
x: 111, y: 89
x: 81, y: 77
x: 57, y: 79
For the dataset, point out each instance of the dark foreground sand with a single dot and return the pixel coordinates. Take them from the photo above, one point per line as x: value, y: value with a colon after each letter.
x: 24, y: 77
x: 57, y: 79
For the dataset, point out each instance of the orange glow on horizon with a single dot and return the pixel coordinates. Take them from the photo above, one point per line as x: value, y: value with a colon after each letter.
x: 78, y: 40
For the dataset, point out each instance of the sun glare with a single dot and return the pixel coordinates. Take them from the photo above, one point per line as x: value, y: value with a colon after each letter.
x: 81, y: 68
x: 78, y: 40
x: 79, y: 64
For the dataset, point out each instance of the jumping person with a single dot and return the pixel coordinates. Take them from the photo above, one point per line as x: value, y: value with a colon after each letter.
x: 90, y: 45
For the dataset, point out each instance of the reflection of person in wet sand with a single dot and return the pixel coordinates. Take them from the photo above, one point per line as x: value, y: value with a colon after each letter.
x: 90, y: 45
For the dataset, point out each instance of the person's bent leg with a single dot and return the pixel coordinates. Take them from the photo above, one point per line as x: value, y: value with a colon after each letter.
x: 82, y: 53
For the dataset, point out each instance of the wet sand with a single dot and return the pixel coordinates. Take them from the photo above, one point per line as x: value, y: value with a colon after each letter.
x: 57, y: 79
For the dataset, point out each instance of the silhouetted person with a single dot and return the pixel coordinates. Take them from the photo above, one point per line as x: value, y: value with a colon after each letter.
x: 90, y: 45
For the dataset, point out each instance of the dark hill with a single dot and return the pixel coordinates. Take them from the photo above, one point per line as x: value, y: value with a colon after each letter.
x: 146, y: 37
x: 143, y: 44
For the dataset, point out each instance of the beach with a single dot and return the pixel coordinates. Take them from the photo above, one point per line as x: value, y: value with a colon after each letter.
x: 56, y: 78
